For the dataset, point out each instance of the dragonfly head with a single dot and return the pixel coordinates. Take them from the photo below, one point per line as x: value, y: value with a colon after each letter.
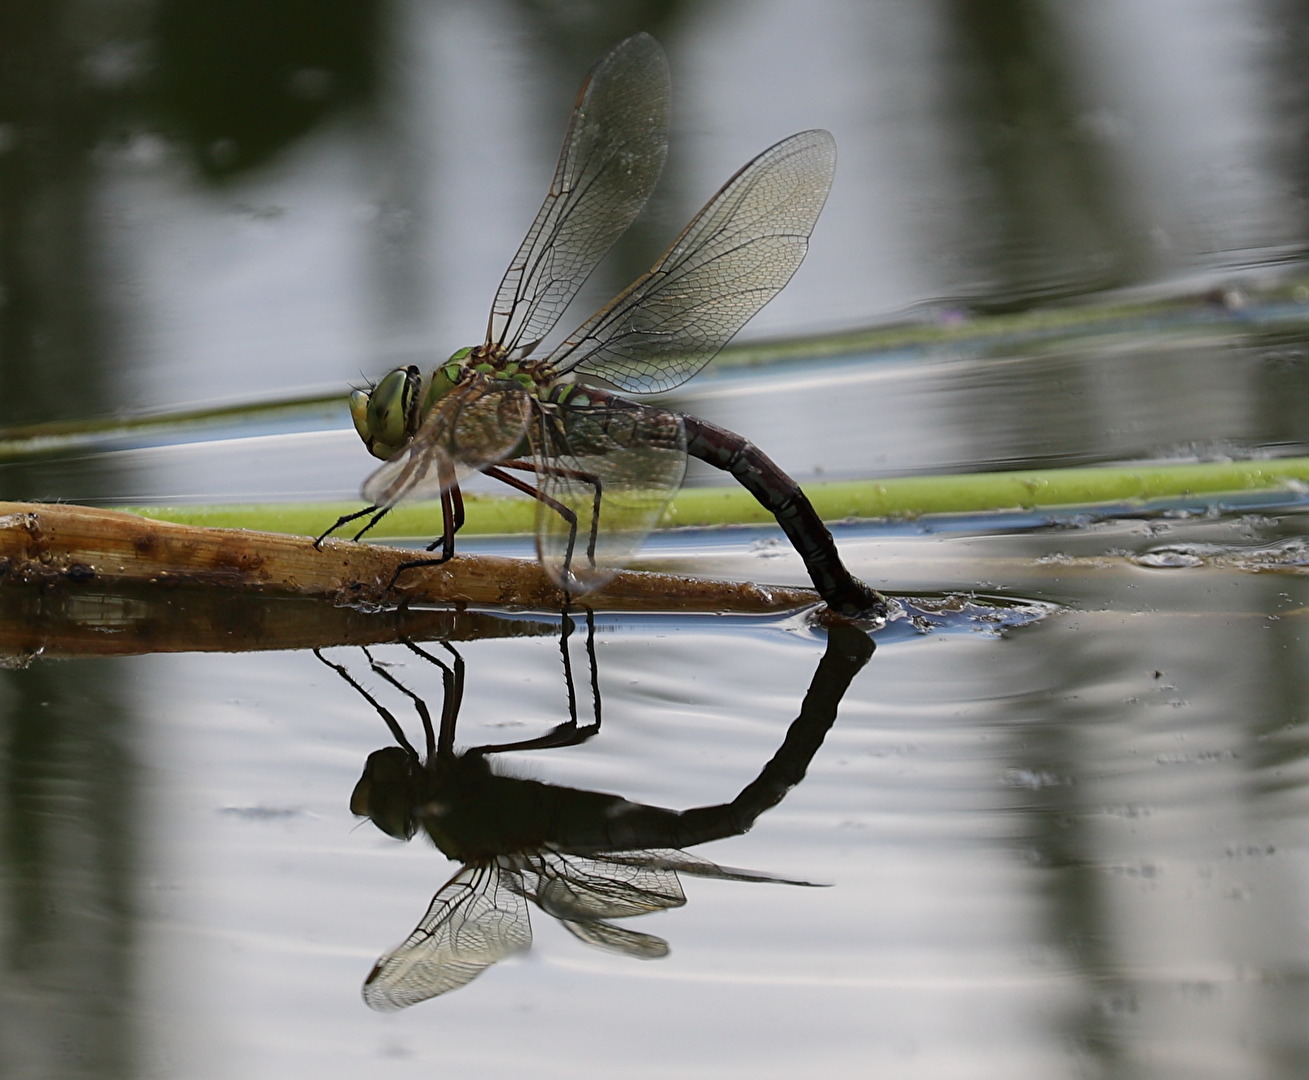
x: 389, y: 791
x: 387, y: 415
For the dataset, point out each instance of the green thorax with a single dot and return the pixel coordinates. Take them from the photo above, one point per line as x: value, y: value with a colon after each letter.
x: 493, y: 361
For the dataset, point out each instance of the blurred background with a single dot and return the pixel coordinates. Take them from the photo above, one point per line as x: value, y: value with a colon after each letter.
x: 227, y: 202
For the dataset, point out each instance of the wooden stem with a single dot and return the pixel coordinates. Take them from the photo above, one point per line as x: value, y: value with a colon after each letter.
x: 48, y: 544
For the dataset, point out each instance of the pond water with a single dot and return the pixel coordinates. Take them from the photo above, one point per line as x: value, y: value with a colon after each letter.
x: 1057, y: 827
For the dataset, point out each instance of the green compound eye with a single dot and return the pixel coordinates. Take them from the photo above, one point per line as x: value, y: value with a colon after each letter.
x: 386, y: 417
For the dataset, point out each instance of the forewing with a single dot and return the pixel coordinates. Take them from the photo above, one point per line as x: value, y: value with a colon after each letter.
x: 612, y: 154
x: 481, y: 421
x: 476, y: 919
x: 734, y: 257
x: 613, y: 467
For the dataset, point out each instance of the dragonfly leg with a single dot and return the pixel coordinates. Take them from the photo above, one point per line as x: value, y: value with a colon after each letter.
x: 559, y: 508
x: 412, y: 564
x: 387, y: 716
x: 567, y: 630
x: 595, y: 668
x: 452, y: 683
x: 597, y: 486
x: 570, y: 732
x: 457, y: 502
x: 372, y: 520
x: 345, y: 519
x: 420, y: 706
x: 452, y: 520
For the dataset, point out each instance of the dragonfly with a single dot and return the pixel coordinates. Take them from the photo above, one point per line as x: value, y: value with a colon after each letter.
x: 585, y: 858
x: 603, y: 468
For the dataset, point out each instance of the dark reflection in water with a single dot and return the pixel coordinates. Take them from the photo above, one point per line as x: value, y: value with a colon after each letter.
x: 1049, y: 218
x: 583, y: 857
x: 51, y: 328
x: 577, y: 32
x: 243, y: 79
x: 67, y: 767
x: 68, y: 874
x: 1287, y: 85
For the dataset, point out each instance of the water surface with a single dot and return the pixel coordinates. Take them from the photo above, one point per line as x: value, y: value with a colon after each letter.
x: 1059, y: 846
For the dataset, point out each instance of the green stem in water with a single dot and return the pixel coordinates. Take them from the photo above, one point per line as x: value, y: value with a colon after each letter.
x: 900, y: 498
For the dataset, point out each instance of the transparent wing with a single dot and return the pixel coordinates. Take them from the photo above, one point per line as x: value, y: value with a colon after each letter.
x: 481, y: 421
x: 680, y: 862
x: 582, y: 892
x: 734, y: 257
x: 612, y: 466
x: 476, y: 919
x: 612, y: 156
x: 582, y: 889
x: 618, y: 939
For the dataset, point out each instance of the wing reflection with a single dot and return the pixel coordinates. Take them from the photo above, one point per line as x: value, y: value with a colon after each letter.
x: 583, y: 857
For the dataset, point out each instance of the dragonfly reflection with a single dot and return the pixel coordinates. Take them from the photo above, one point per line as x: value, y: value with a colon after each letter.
x: 583, y: 857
